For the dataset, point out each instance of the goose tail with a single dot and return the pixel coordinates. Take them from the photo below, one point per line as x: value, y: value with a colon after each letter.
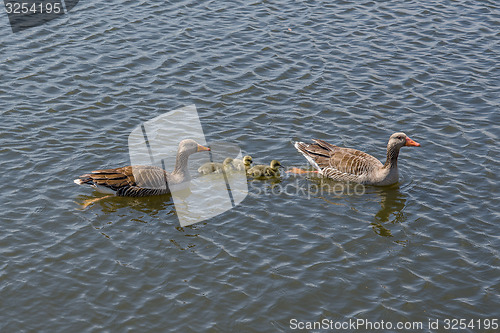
x: 83, y: 180
x: 303, y: 148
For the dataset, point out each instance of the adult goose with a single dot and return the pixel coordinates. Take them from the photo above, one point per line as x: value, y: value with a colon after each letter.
x: 347, y: 164
x: 143, y: 180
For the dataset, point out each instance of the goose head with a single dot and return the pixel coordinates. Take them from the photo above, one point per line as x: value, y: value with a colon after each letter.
x: 186, y: 148
x: 398, y: 140
x: 190, y: 146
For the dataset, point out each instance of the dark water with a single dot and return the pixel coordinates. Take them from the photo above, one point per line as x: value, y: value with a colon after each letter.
x: 261, y: 74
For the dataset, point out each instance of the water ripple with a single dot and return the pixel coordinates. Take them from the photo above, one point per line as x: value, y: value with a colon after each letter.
x: 261, y: 74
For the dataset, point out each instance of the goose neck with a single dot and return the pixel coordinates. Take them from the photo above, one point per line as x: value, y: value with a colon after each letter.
x: 392, y: 156
x: 181, y: 163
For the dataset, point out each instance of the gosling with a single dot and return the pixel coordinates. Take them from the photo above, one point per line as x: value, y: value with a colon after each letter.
x: 265, y: 171
x: 243, y: 165
x: 214, y: 167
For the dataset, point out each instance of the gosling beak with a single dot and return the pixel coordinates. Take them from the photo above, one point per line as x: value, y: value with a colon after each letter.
x: 202, y: 148
x: 410, y: 142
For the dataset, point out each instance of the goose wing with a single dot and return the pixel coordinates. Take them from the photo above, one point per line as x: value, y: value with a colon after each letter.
x: 337, y: 162
x: 113, y: 179
x: 142, y: 176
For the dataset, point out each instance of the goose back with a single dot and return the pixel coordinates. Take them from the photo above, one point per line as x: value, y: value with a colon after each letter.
x: 134, y: 181
x: 338, y: 163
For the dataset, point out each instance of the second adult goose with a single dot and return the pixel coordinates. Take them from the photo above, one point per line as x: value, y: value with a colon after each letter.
x: 143, y: 180
x: 347, y: 164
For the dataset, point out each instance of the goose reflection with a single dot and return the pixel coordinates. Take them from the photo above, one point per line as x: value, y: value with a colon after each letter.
x: 392, y: 202
x: 151, y: 205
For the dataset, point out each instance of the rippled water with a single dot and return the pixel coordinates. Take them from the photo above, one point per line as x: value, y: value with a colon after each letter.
x: 261, y: 74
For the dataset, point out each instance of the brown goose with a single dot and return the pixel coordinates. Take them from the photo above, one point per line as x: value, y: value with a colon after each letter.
x: 347, y: 164
x: 143, y: 180
x: 265, y: 171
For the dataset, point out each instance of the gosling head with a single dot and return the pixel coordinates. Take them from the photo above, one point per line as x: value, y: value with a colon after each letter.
x: 275, y: 164
x: 247, y: 160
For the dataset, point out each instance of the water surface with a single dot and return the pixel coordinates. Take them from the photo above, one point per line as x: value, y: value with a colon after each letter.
x: 260, y: 74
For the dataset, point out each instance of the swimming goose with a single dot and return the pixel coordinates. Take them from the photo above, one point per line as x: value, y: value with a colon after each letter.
x: 143, y: 180
x: 265, y: 171
x: 243, y: 165
x: 347, y: 164
x: 214, y: 167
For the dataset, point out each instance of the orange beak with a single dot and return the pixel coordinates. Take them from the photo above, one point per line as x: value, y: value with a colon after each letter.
x: 410, y: 142
x: 202, y: 148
